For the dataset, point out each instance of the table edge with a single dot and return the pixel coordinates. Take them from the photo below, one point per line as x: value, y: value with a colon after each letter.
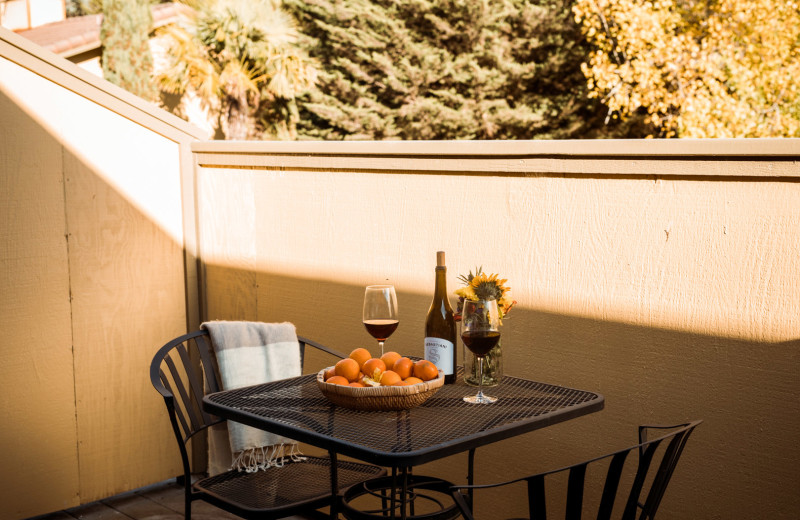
x: 406, y: 459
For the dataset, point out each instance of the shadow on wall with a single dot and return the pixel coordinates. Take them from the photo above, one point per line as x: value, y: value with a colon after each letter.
x: 741, y: 462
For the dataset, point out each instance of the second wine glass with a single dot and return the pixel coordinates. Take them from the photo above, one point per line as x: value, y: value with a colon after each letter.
x: 480, y: 322
x: 380, y: 312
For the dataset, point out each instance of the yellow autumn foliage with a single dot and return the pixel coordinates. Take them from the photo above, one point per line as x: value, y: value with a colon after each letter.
x: 700, y: 68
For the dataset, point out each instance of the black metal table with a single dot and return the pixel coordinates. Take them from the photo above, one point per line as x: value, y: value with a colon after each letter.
x: 443, y: 425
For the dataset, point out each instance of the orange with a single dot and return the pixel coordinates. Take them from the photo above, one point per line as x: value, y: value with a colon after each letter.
x: 368, y: 381
x: 404, y: 367
x: 356, y: 384
x: 425, y: 370
x: 402, y: 383
x: 374, y: 368
x: 338, y: 380
x: 413, y: 380
x: 329, y: 373
x: 347, y: 368
x: 361, y: 355
x: 389, y: 358
x: 389, y: 378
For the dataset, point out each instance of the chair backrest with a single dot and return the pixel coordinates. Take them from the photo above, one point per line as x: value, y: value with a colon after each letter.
x: 638, y: 476
x: 183, y: 371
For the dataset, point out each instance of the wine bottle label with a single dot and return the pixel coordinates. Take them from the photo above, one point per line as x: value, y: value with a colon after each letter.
x: 440, y: 352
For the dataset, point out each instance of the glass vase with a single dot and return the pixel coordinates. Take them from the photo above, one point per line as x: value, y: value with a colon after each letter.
x: 492, y: 366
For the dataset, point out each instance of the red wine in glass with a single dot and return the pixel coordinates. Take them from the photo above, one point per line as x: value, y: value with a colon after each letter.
x: 380, y: 316
x: 480, y: 342
x: 381, y: 329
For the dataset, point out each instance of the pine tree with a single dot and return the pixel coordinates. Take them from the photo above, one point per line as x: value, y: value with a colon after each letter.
x: 446, y: 69
x: 126, y: 60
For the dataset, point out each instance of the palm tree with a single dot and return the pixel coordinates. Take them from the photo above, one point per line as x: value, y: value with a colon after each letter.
x: 240, y: 59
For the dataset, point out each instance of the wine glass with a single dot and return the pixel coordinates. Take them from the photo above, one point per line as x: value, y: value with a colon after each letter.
x: 480, y: 321
x: 380, y: 312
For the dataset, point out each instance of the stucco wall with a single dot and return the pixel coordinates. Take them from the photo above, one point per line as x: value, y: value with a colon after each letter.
x: 92, y: 281
x: 661, y: 274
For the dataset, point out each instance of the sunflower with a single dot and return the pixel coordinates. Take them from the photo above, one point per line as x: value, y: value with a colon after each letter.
x: 488, y: 287
x: 480, y: 286
x: 467, y: 293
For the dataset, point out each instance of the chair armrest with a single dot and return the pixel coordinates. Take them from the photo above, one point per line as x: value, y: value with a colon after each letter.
x: 456, y: 488
x: 644, y: 427
x: 321, y: 347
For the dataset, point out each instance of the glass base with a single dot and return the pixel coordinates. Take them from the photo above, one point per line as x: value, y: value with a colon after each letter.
x: 480, y: 399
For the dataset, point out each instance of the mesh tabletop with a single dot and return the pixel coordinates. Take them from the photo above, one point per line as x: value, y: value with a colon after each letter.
x: 441, y: 426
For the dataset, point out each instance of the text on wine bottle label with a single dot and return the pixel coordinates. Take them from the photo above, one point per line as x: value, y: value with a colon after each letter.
x: 440, y: 352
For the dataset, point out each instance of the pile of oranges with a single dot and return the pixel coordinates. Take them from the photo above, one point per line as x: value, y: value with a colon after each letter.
x: 360, y: 369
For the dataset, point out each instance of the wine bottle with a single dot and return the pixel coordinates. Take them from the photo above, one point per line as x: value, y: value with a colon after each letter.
x: 440, y: 326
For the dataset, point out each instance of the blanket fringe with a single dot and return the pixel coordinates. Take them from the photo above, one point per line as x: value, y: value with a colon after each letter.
x: 265, y: 457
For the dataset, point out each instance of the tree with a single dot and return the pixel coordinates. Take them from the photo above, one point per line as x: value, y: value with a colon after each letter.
x: 125, y: 35
x: 83, y: 7
x: 239, y: 57
x: 446, y: 69
x: 699, y: 68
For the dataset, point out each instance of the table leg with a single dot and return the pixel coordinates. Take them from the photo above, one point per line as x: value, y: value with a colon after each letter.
x: 334, y: 485
x: 400, y: 490
x: 404, y: 494
x: 386, y: 499
x: 413, y: 502
x: 393, y: 492
x: 470, y: 474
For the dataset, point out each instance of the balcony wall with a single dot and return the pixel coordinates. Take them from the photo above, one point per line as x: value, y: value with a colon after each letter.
x: 663, y: 274
x: 95, y: 274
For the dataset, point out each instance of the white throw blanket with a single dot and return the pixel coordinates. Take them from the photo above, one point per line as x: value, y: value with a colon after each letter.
x: 250, y: 353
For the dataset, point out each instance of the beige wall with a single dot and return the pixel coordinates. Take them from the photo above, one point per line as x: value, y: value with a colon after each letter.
x: 661, y: 274
x: 93, y: 280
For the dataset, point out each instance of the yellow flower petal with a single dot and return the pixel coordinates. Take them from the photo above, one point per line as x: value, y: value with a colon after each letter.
x: 467, y: 292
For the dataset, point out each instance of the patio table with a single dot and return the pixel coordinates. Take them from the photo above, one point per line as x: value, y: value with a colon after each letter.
x: 443, y: 425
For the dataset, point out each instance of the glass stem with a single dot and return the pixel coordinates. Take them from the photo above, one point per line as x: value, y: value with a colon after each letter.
x: 480, y: 379
x: 381, y: 345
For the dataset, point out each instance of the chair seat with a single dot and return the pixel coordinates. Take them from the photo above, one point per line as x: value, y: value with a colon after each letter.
x: 292, y: 486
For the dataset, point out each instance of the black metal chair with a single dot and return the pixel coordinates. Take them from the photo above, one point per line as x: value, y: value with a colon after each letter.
x: 641, y: 479
x: 178, y: 372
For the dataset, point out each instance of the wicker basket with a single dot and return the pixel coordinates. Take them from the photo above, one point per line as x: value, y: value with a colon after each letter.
x: 379, y: 397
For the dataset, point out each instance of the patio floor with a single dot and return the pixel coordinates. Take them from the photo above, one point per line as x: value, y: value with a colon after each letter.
x: 162, y: 501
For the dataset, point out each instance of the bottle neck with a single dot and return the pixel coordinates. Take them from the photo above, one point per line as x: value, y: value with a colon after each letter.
x: 440, y: 290
x: 441, y: 280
